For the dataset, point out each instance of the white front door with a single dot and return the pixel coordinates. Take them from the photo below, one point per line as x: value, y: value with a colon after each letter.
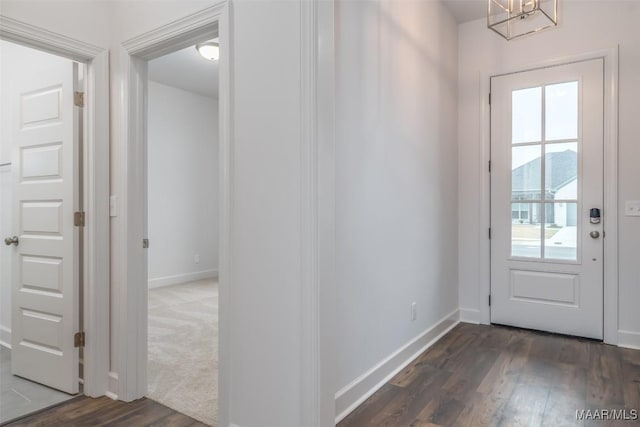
x: 45, y: 293
x: 546, y: 194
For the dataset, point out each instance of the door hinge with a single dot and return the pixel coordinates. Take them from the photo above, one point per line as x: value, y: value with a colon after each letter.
x: 78, y: 219
x: 78, y: 339
x: 489, y: 233
x: 489, y: 98
x: 489, y: 166
x: 145, y: 243
x: 489, y: 300
x: 78, y: 99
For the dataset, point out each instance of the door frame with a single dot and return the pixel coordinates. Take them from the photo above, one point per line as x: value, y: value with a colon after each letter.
x: 95, y: 257
x: 610, y: 243
x: 132, y: 299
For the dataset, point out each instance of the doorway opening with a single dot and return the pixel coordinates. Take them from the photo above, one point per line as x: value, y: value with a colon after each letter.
x: 183, y: 206
x: 40, y: 261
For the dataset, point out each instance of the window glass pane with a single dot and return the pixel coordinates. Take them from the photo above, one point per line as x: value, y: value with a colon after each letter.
x: 561, y: 171
x: 526, y: 175
x: 526, y: 115
x: 561, y: 109
x: 525, y: 230
x: 561, y: 231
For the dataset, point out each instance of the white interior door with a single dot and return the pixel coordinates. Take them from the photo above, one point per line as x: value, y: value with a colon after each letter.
x: 45, y: 162
x: 546, y: 177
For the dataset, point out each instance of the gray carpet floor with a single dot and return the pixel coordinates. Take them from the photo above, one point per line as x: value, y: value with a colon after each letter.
x: 183, y: 348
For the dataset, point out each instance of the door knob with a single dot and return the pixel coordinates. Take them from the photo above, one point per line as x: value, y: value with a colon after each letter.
x: 594, y: 234
x: 11, y: 241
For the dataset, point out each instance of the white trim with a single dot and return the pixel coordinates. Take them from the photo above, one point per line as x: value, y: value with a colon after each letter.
x: 5, y: 337
x: 39, y: 38
x: 484, y: 178
x: 310, y: 291
x: 96, y: 189
x: 610, y: 214
x: 355, y: 393
x: 131, y: 342
x: 225, y: 279
x: 325, y: 152
x: 629, y: 339
x: 111, y: 396
x: 317, y: 228
x: 96, y: 232
x: 610, y: 183
x: 470, y: 315
x: 175, y: 35
x: 113, y: 385
x: 177, y: 279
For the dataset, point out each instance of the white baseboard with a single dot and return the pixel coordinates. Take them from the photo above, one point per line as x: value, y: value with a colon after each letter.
x: 629, y: 339
x: 360, y: 389
x: 5, y: 337
x: 182, y: 278
x: 470, y: 315
x: 111, y: 395
x: 113, y: 385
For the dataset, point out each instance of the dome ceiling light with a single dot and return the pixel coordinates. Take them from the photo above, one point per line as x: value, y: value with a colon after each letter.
x: 209, y: 50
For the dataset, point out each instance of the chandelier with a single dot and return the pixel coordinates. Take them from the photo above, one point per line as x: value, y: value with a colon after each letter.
x: 517, y: 18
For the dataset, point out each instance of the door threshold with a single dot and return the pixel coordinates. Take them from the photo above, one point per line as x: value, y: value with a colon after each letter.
x: 541, y: 332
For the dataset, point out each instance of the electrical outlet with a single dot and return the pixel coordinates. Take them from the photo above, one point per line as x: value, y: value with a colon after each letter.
x: 413, y: 311
x: 196, y: 258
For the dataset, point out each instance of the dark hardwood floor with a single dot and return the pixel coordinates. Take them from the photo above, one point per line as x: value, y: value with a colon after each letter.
x: 500, y: 376
x: 85, y: 411
x: 474, y: 376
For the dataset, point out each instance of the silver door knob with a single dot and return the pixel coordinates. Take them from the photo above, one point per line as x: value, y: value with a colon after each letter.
x: 594, y: 234
x: 11, y: 241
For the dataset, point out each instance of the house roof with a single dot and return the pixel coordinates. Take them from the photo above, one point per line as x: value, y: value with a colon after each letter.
x: 561, y: 168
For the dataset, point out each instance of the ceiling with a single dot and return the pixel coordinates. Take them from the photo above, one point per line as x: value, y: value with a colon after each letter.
x: 467, y: 10
x: 187, y: 70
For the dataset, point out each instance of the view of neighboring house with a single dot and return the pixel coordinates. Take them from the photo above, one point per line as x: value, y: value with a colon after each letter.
x: 561, y: 178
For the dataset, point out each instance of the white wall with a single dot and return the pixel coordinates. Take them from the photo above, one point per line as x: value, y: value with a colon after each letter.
x: 396, y: 179
x: 266, y: 235
x: 13, y: 59
x: 584, y: 27
x: 183, y: 185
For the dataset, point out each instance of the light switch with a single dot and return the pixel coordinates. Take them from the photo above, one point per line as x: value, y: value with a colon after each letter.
x: 632, y: 208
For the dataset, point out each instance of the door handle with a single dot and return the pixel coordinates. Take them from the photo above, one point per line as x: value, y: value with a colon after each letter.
x: 11, y: 241
x: 594, y: 234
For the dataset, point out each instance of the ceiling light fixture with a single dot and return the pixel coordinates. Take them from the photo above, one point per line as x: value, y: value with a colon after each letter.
x: 209, y: 50
x: 517, y: 18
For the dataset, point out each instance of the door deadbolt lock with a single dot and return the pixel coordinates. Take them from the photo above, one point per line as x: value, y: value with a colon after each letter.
x: 11, y: 241
x: 594, y: 234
